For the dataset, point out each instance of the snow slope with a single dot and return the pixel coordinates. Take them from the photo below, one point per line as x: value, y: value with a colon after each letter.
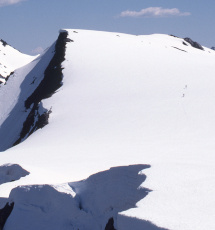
x: 11, y: 59
x: 125, y: 100
x: 19, y: 87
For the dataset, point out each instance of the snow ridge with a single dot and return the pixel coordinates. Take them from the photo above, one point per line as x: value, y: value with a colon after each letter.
x: 51, y: 82
x: 123, y: 100
x: 43, y: 85
x: 11, y: 59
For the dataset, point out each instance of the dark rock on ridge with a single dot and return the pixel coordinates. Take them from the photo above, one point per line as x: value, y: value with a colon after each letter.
x: 193, y: 44
x: 4, y: 43
x: 6, y: 79
x: 51, y: 82
x: 173, y: 36
x: 53, y: 74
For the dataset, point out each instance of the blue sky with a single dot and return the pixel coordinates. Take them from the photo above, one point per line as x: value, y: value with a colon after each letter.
x: 30, y: 24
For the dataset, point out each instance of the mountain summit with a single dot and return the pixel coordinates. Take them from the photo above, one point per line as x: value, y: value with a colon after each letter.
x: 110, y: 131
x: 11, y: 59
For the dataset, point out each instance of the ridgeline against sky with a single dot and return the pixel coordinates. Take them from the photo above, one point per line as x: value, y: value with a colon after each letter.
x: 31, y: 25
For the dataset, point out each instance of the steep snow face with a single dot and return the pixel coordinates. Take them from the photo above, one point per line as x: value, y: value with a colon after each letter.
x: 18, y: 88
x: 128, y: 100
x: 11, y: 59
x: 32, y: 83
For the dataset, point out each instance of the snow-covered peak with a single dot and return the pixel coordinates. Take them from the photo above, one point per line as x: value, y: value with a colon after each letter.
x: 113, y: 99
x: 11, y: 59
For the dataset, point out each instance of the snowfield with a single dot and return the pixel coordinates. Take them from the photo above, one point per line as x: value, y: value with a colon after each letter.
x: 134, y: 112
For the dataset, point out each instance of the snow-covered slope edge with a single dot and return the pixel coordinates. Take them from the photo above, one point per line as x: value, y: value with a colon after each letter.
x: 37, y: 81
x: 11, y: 59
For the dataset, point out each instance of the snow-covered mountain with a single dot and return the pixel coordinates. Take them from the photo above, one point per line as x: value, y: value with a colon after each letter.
x: 11, y: 59
x: 109, y: 131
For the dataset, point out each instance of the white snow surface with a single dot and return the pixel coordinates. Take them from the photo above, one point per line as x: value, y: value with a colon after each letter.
x: 125, y: 100
x: 10, y: 60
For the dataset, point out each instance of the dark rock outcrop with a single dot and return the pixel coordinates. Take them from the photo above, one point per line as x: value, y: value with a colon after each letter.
x: 110, y: 225
x: 34, y: 121
x: 193, y: 44
x: 51, y: 82
x: 6, y: 79
x: 5, y: 213
x: 213, y: 48
x: 53, y: 74
x: 4, y: 43
x: 173, y: 36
